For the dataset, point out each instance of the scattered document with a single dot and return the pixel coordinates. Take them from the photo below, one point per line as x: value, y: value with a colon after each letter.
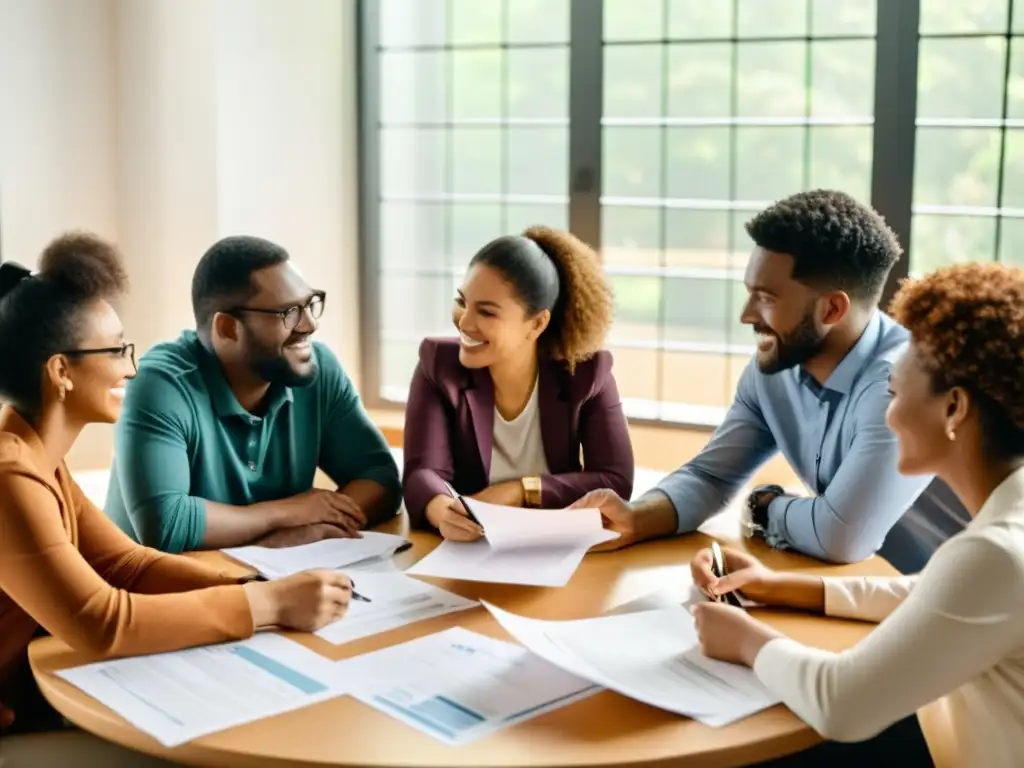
x: 537, y: 547
x: 515, y: 528
x: 650, y: 656
x: 458, y: 685
x: 374, y: 565
x: 682, y: 593
x: 277, y: 562
x: 179, y: 696
x: 392, y: 600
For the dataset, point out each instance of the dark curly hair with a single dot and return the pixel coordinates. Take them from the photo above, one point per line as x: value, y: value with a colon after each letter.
x: 836, y: 242
x: 554, y: 270
x: 967, y: 326
x: 41, y: 313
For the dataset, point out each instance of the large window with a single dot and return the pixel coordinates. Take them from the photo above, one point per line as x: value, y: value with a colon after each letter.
x: 969, y: 169
x: 654, y: 129
x: 711, y: 111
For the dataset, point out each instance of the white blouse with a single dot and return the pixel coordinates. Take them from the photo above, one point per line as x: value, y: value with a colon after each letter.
x: 518, y: 448
x: 955, y: 630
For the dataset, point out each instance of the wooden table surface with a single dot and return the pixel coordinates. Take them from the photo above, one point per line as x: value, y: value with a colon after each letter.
x: 604, y: 730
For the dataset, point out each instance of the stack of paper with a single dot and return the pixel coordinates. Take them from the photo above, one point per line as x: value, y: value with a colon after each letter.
x: 176, y: 697
x: 651, y: 656
x: 458, y: 685
x: 276, y: 562
x: 540, y: 547
x: 390, y: 600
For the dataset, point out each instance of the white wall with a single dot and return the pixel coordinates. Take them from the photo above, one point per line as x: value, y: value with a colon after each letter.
x: 165, y: 124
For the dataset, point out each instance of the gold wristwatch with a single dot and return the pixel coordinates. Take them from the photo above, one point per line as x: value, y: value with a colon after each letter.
x: 531, y: 492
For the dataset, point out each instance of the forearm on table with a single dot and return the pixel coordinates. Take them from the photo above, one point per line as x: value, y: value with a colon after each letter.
x: 231, y: 526
x: 509, y: 494
x: 654, y: 516
x: 790, y: 590
x: 378, y: 503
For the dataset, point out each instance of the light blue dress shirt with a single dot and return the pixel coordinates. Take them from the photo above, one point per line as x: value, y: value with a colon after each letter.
x: 834, y: 437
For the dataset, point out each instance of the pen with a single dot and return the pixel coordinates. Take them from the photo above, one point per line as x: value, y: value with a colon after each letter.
x: 356, y: 595
x: 469, y: 512
x: 718, y: 566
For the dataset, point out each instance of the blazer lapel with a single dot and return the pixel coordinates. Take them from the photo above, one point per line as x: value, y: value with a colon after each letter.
x: 555, y: 419
x: 480, y: 396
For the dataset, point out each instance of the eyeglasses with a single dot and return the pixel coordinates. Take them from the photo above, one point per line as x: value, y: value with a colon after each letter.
x: 126, y: 350
x: 292, y: 316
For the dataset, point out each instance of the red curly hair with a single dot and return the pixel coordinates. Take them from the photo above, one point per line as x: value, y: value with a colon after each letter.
x: 967, y: 325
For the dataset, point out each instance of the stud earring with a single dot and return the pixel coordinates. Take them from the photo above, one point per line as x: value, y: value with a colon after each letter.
x: 951, y: 435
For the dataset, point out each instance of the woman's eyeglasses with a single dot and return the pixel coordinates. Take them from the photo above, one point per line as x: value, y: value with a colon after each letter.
x: 292, y: 316
x: 126, y: 350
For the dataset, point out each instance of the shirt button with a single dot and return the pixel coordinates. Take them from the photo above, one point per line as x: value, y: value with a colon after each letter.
x: 252, y: 465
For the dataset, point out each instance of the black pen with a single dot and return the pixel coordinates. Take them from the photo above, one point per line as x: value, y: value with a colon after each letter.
x: 469, y: 512
x: 356, y: 595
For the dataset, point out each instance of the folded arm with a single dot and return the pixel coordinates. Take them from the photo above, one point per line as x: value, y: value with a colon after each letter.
x: 154, y: 476
x: 961, y: 618
x: 705, y: 485
x: 353, y: 452
x: 51, y: 580
x: 865, y: 499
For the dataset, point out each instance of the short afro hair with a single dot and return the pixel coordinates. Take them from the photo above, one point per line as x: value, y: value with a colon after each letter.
x: 41, y: 314
x: 967, y: 326
x: 836, y: 242
x: 223, y: 278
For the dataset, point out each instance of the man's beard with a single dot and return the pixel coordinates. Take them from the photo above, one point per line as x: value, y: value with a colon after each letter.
x: 273, y: 367
x: 795, y: 348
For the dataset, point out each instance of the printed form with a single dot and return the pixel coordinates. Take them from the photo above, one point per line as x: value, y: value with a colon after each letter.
x: 392, y: 600
x: 277, y: 562
x: 536, y: 547
x: 179, y: 696
x: 651, y: 656
x: 458, y: 685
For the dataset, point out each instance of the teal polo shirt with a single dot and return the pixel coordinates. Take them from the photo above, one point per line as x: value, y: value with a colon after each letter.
x: 183, y: 439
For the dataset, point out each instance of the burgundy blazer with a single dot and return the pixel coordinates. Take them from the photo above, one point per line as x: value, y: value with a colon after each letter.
x: 449, y: 429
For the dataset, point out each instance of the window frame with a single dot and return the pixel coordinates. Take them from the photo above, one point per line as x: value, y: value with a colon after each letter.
x: 892, y: 177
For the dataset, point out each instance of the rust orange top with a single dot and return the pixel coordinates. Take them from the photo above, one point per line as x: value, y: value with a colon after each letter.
x: 66, y: 567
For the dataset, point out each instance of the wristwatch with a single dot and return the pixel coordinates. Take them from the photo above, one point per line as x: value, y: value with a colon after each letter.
x: 531, y: 492
x: 755, y: 521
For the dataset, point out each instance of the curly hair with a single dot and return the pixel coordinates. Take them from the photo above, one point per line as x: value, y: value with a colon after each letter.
x: 554, y: 270
x: 836, y: 242
x: 967, y: 325
x: 41, y: 313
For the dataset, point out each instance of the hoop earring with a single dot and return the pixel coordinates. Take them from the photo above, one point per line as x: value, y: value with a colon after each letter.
x: 951, y: 435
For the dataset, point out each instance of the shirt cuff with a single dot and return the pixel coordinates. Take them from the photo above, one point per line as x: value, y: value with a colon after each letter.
x: 839, y: 599
x: 777, y: 534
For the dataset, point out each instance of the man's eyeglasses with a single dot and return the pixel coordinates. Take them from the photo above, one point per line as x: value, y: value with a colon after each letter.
x: 292, y: 316
x: 126, y: 350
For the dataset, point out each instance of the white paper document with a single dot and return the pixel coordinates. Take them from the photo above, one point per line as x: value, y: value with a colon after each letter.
x: 458, y: 685
x: 536, y: 547
x: 179, y: 696
x: 277, y: 562
x: 650, y: 656
x: 394, y: 601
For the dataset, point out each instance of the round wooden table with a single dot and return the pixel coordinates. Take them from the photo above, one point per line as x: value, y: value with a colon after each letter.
x: 603, y: 730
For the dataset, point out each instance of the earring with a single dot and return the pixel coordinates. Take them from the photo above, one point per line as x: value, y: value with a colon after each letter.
x: 63, y: 394
x: 951, y: 435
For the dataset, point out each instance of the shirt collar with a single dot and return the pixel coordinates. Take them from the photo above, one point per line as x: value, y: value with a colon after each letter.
x: 225, y: 404
x: 1008, y: 495
x: 845, y: 374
